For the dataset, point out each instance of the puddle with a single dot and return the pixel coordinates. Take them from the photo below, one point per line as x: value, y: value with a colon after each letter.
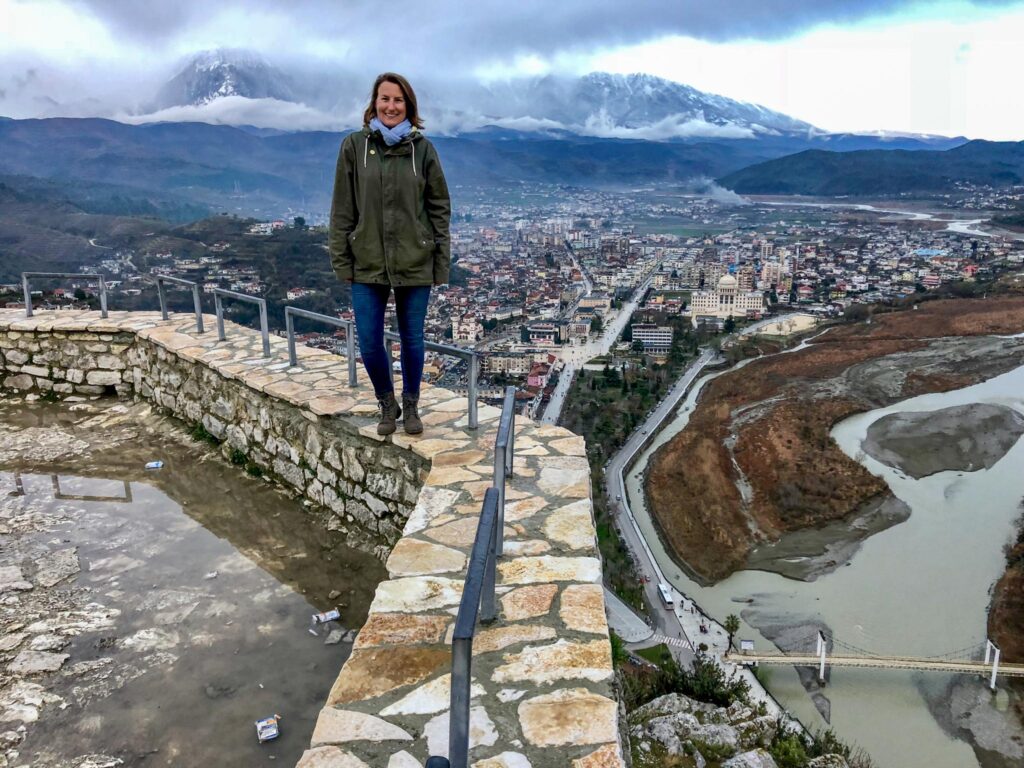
x: 181, y: 596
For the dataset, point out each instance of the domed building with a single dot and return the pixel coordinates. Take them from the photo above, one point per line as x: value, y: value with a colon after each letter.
x: 714, y: 307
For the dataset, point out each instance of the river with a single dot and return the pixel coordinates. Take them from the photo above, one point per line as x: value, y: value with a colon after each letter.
x: 969, y: 227
x: 919, y: 588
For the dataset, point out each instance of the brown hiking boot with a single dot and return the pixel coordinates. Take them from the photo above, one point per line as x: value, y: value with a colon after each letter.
x: 413, y: 425
x: 389, y: 413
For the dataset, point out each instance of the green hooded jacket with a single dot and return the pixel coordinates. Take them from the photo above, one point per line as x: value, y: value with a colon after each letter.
x: 390, y: 213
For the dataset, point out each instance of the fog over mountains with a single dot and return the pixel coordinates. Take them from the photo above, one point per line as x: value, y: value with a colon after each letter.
x: 237, y: 87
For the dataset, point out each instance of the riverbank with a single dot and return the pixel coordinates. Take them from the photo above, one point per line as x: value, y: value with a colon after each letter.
x: 756, y: 461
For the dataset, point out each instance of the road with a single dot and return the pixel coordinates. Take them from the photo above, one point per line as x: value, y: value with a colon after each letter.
x: 574, y: 356
x: 669, y: 622
x: 615, y: 486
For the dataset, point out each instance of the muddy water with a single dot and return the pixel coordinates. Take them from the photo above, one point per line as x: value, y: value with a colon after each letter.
x: 920, y: 588
x: 187, y: 617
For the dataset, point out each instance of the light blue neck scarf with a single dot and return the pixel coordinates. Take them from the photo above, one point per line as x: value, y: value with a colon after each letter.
x: 392, y: 135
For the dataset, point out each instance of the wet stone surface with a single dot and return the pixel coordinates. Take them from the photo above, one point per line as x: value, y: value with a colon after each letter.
x: 150, y: 617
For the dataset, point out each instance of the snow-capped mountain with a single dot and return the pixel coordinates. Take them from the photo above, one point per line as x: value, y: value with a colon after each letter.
x: 231, y: 85
x: 211, y: 75
x: 638, y: 105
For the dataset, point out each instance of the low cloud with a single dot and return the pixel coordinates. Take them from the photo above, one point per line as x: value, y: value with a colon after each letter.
x: 671, y: 127
x: 259, y: 113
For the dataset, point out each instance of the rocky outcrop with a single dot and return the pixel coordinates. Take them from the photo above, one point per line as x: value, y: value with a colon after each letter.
x: 736, y: 736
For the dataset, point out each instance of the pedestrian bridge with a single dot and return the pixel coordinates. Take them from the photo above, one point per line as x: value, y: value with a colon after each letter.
x: 961, y: 661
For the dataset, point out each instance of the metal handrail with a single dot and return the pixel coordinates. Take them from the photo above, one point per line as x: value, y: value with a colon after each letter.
x: 28, y: 293
x: 478, y: 600
x: 504, y: 448
x: 218, y: 293
x: 350, y: 336
x: 196, y: 300
x: 471, y: 357
x: 478, y: 593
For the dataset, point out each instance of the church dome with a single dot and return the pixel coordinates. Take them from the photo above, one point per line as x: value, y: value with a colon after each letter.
x: 727, y: 282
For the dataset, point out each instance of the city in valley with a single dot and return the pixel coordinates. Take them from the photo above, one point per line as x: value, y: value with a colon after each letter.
x: 543, y: 272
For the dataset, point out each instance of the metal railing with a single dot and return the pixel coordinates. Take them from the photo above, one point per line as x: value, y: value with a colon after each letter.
x: 218, y: 300
x: 469, y: 355
x: 478, y: 593
x: 196, y: 300
x: 504, y: 447
x: 28, y: 292
x: 350, y: 336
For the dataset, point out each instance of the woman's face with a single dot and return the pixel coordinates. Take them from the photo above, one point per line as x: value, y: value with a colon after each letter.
x: 390, y: 104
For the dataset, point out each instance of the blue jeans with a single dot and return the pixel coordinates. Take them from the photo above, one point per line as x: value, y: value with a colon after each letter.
x: 368, y: 303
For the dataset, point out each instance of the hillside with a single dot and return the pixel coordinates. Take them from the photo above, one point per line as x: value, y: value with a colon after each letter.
x: 177, y: 165
x: 767, y: 427
x: 878, y: 172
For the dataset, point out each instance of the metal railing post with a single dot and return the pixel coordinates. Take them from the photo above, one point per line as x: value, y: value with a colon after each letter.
x: 500, y: 448
x: 509, y: 404
x: 103, y: 297
x: 473, y: 372
x: 28, y: 295
x: 290, y: 313
x: 162, y: 298
x: 350, y: 348
x: 488, y: 600
x: 219, y: 308
x: 289, y: 329
x: 27, y: 289
x: 197, y: 302
x: 265, y: 328
x: 218, y: 293
x: 458, y: 722
x: 479, y: 588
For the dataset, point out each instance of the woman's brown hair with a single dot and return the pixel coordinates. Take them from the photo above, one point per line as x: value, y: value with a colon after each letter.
x: 412, y: 112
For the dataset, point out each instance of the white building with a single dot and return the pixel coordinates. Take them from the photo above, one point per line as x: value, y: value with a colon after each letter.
x: 657, y: 339
x: 725, y: 301
x: 467, y: 328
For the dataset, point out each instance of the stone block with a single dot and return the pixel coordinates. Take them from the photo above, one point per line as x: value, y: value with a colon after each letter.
x: 353, y: 469
x: 214, y: 426
x: 562, y: 660
x: 20, y: 381
x: 339, y: 726
x: 16, y: 357
x: 36, y: 370
x: 329, y: 757
x: 375, y: 671
x: 569, y: 716
x: 290, y: 473
x: 111, y: 362
x: 103, y: 378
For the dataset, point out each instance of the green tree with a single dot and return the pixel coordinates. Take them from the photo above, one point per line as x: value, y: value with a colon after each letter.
x: 299, y: 222
x: 730, y: 324
x: 732, y: 626
x: 596, y: 326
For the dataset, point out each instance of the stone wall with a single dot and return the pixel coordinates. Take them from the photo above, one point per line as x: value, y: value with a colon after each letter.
x: 542, y: 693
x: 365, y: 486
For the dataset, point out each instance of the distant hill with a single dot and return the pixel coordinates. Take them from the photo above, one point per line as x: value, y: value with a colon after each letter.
x: 876, y: 172
x: 261, y: 174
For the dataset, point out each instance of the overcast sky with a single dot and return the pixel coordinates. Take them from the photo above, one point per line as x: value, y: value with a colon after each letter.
x: 934, y: 67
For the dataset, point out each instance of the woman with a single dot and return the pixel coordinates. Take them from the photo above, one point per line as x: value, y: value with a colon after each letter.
x: 389, y: 231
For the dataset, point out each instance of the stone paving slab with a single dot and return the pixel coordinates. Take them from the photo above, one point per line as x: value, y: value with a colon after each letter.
x: 543, y: 674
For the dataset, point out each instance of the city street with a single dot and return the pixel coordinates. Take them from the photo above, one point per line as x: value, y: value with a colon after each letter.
x: 574, y: 357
